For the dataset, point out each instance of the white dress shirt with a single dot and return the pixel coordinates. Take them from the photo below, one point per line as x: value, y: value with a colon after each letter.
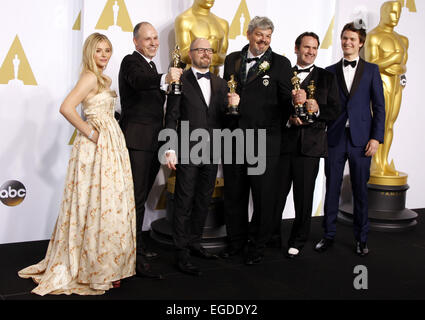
x: 303, y: 75
x: 204, y: 84
x: 349, y: 73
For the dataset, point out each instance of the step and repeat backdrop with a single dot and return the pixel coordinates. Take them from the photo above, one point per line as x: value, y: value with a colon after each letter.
x: 40, y: 58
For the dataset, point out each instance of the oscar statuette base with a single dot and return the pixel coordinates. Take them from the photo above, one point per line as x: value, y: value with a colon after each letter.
x: 214, y: 233
x: 387, y: 211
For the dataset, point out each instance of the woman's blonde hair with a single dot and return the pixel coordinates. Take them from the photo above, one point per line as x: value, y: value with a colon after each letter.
x: 89, y: 63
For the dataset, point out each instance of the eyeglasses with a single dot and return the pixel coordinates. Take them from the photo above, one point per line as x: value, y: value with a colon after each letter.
x: 203, y: 50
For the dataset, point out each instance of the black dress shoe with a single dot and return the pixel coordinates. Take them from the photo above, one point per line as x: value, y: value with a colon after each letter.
x: 150, y: 255
x: 144, y: 270
x: 323, y: 245
x: 203, y: 253
x: 254, y: 258
x: 188, y: 268
x: 230, y: 251
x: 361, y: 248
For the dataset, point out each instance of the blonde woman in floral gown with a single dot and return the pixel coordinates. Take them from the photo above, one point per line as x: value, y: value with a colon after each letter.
x: 93, y: 243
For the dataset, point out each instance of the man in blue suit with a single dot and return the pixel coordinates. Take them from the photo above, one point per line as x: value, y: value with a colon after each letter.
x: 354, y: 136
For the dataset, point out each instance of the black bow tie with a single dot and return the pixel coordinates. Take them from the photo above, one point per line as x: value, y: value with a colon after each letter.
x: 303, y: 70
x: 248, y: 60
x: 351, y: 63
x: 206, y: 75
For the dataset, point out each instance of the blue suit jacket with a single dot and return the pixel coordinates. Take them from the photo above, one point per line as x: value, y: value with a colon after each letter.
x: 364, y: 105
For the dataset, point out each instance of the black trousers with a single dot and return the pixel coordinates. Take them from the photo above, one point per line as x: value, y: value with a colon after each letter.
x: 144, y: 166
x: 300, y: 172
x: 237, y: 185
x: 192, y: 196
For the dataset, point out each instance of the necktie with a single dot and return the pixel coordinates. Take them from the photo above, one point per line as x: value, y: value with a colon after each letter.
x: 351, y: 63
x: 153, y: 66
x: 303, y: 70
x: 248, y: 60
x: 206, y: 75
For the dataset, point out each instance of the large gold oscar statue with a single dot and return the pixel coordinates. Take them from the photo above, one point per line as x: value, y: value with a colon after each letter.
x: 387, y: 187
x: 199, y: 22
x: 388, y: 50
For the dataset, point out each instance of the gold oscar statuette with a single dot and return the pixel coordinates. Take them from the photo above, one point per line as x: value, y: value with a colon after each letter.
x: 232, y: 84
x: 299, y: 108
x: 311, y: 90
x: 175, y: 87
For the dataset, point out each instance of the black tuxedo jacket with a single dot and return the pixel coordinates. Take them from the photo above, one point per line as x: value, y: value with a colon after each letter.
x: 142, y: 103
x: 265, y: 98
x: 191, y: 106
x: 364, y: 105
x: 310, y: 140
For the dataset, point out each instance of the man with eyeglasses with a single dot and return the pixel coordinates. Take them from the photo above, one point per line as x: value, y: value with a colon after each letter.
x: 264, y: 87
x: 201, y: 105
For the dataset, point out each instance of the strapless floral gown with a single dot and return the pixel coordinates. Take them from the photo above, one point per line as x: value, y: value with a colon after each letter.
x: 94, y: 239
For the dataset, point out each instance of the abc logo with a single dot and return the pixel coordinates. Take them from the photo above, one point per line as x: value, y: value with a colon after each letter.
x: 12, y: 193
x: 403, y: 80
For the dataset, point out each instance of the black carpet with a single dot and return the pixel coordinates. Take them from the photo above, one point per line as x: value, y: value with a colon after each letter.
x: 395, y: 270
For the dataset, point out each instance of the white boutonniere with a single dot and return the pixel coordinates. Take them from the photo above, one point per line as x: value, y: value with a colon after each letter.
x: 263, y: 67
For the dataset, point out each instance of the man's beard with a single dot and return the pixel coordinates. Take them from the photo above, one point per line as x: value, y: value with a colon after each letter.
x: 202, y: 65
x: 257, y: 52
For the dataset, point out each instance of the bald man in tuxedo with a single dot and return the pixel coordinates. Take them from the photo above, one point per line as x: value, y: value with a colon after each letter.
x: 141, y: 120
x: 202, y: 105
